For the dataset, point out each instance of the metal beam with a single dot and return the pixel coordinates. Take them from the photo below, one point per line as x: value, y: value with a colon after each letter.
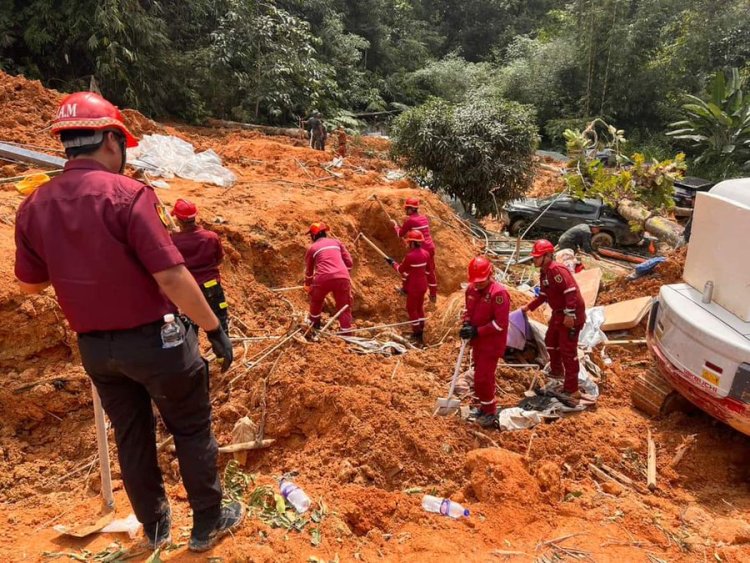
x: 32, y: 157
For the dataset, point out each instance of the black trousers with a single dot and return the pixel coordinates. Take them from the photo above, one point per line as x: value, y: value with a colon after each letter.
x: 214, y: 294
x: 130, y: 369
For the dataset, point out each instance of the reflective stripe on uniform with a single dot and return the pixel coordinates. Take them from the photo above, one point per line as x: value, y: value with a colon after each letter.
x: 326, y: 248
x: 432, y: 284
x: 314, y: 316
x: 496, y: 326
x: 422, y: 227
x: 419, y: 265
x: 492, y: 402
x: 223, y: 305
x: 210, y: 283
x: 569, y: 290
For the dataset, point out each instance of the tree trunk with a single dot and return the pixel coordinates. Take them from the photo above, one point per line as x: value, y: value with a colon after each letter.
x: 661, y: 227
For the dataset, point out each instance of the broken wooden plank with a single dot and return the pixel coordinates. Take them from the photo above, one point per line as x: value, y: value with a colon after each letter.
x: 651, y: 471
x: 32, y: 157
x: 687, y: 442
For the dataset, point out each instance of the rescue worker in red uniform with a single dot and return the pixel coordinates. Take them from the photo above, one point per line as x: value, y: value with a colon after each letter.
x: 559, y: 289
x: 418, y: 273
x: 327, y: 265
x: 202, y: 252
x: 486, y: 328
x: 415, y: 222
x: 100, y: 239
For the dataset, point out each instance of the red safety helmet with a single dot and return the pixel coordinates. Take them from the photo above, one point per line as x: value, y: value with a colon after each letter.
x: 412, y: 202
x: 414, y: 236
x: 317, y: 228
x: 542, y: 247
x: 480, y: 269
x: 184, y: 210
x: 88, y: 110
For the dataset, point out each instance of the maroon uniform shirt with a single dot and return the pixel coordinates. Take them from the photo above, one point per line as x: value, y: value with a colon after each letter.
x: 488, y: 310
x: 97, y: 237
x: 417, y: 222
x: 418, y: 272
x: 327, y: 259
x: 559, y: 289
x: 202, y: 252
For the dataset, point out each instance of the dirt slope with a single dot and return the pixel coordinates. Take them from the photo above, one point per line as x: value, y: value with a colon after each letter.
x: 358, y: 429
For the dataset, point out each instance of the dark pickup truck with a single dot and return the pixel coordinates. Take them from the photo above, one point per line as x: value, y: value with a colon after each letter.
x: 565, y: 212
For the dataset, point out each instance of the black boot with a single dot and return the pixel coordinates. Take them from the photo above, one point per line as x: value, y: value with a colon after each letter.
x: 418, y: 339
x: 211, y: 524
x: 159, y: 533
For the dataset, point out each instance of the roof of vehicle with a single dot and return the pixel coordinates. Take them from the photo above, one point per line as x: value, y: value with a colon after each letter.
x: 736, y: 190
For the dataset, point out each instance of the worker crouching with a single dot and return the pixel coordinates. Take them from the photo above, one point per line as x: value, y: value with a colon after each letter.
x: 486, y: 328
x: 559, y: 289
x: 327, y: 265
x: 203, y: 254
x: 418, y: 274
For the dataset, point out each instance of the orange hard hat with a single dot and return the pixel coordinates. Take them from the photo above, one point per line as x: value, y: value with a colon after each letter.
x: 414, y: 236
x: 88, y: 110
x: 480, y: 268
x: 411, y: 202
x: 542, y: 247
x: 184, y: 210
x: 317, y: 228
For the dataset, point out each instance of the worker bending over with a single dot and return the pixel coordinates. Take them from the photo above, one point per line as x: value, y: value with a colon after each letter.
x: 202, y: 252
x: 486, y: 328
x: 418, y: 273
x: 100, y: 239
x: 578, y: 239
x: 559, y: 289
x: 327, y: 265
x: 415, y: 222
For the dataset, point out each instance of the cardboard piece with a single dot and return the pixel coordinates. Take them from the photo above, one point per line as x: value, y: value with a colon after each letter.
x: 717, y: 251
x: 626, y: 314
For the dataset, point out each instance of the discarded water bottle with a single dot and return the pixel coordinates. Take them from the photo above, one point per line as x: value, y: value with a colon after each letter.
x: 172, y: 333
x: 296, y: 496
x: 444, y: 506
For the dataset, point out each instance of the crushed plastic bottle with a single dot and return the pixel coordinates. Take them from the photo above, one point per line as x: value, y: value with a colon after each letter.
x: 172, y: 333
x: 444, y: 506
x: 296, y: 496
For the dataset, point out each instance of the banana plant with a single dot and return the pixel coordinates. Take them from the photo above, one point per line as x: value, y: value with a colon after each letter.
x: 718, y: 127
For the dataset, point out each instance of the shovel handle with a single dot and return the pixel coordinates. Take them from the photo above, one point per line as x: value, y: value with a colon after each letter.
x: 103, y: 447
x: 457, y: 369
x: 375, y: 248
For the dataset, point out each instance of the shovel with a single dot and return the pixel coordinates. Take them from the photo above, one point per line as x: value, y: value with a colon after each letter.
x: 107, y: 514
x: 449, y: 405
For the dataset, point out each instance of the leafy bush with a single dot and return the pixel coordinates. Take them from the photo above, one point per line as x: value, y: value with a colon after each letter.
x: 479, y: 151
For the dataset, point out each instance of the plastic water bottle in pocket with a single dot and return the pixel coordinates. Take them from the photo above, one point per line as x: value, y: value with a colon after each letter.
x: 172, y: 333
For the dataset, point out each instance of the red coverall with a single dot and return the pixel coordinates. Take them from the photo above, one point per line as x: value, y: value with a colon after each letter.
x: 418, y: 272
x: 417, y: 222
x: 327, y: 265
x: 487, y: 309
x: 558, y: 287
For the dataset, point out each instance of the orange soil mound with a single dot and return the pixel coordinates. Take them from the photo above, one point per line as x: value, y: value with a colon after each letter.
x: 669, y: 271
x: 359, y: 429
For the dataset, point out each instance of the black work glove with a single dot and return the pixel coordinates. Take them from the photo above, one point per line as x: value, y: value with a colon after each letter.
x: 467, y: 332
x: 222, y: 347
x: 390, y: 260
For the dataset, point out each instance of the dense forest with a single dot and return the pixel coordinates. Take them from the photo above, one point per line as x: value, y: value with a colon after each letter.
x: 631, y: 62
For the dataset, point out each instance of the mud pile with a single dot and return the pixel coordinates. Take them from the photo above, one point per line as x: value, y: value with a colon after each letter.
x: 669, y: 271
x: 358, y: 429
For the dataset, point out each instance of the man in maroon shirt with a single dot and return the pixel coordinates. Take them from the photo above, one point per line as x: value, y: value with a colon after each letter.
x: 559, y: 289
x: 100, y: 239
x: 202, y: 252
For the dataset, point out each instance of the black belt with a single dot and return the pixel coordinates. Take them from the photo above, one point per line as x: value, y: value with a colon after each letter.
x: 147, y: 329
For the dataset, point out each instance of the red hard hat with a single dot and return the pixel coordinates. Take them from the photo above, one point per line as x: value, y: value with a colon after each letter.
x: 184, y: 210
x: 414, y: 236
x: 88, y: 110
x: 411, y: 202
x: 317, y: 228
x: 542, y: 247
x: 480, y: 268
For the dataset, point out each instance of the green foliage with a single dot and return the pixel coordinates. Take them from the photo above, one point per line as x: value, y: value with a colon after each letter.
x: 718, y: 127
x: 479, y: 151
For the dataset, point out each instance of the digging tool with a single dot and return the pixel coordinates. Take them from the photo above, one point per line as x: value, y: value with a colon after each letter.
x: 333, y: 318
x: 284, y: 289
x: 380, y: 203
x: 107, y: 515
x: 449, y: 405
x: 383, y: 254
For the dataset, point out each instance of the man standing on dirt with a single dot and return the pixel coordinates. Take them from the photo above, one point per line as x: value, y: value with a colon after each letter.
x: 559, y: 289
x: 318, y: 131
x: 418, y: 273
x: 341, y: 138
x: 578, y: 239
x: 100, y: 239
x: 203, y: 254
x: 327, y: 265
x: 486, y: 328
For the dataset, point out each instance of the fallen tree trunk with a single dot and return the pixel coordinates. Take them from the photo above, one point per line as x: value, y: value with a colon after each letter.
x: 661, y: 227
x: 265, y: 129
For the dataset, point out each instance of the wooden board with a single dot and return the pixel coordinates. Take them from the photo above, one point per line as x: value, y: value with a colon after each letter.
x: 626, y: 314
x: 588, y: 282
